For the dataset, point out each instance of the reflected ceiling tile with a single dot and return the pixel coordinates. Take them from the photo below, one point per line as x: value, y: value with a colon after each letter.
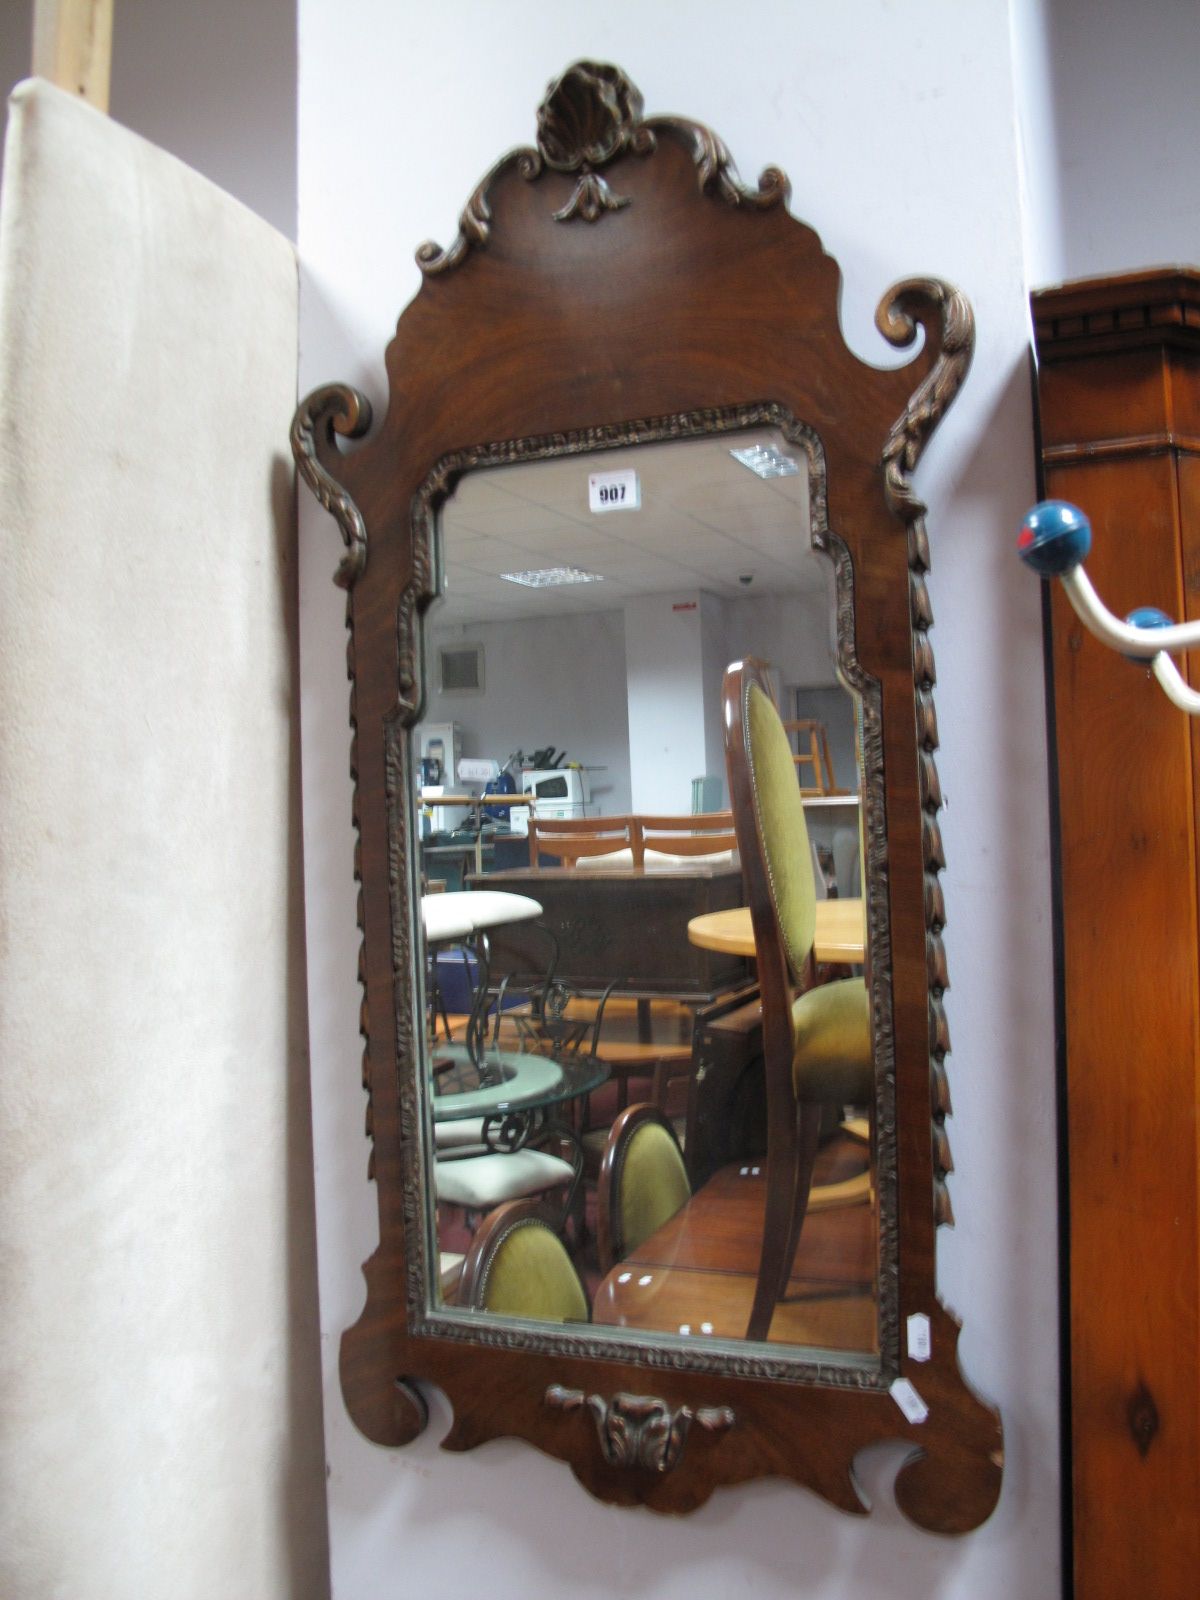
x: 480, y: 489
x: 563, y: 536
x: 740, y: 520
x: 704, y: 523
x: 793, y: 490
x: 517, y: 516
x: 744, y: 492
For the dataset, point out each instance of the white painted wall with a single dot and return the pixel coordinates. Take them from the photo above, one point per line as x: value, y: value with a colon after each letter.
x: 1110, y: 122
x: 214, y: 84
x: 897, y: 126
x: 795, y: 636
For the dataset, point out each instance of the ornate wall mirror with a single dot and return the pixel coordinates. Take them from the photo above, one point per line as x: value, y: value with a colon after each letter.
x: 626, y: 445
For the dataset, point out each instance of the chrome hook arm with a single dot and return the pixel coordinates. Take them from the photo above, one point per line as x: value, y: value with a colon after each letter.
x: 1054, y: 542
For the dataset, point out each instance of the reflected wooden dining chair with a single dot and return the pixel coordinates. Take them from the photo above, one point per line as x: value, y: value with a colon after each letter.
x: 569, y: 838
x: 707, y: 835
x: 518, y: 1266
x: 816, y: 1042
x: 643, y: 1182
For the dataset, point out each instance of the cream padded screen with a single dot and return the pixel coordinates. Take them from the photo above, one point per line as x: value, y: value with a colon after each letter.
x: 159, y: 1388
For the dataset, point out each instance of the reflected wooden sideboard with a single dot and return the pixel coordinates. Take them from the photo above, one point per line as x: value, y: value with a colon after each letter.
x: 624, y: 923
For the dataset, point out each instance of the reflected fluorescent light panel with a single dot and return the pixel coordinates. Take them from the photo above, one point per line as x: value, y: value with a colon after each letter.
x: 766, y: 461
x: 551, y: 577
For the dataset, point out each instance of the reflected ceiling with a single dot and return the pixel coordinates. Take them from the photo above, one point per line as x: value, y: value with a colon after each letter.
x: 706, y: 521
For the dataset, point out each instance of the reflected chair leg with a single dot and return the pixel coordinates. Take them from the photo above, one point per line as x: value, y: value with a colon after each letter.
x: 660, y: 1086
x: 790, y: 1160
x: 645, y: 1025
x: 806, y: 1158
x: 440, y: 1006
x: 782, y: 1152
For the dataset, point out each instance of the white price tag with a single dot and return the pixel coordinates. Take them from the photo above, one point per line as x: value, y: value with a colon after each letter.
x: 614, y: 491
x: 909, y: 1401
x: 920, y: 1346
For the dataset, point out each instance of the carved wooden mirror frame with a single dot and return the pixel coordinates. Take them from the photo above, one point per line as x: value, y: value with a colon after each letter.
x: 616, y: 284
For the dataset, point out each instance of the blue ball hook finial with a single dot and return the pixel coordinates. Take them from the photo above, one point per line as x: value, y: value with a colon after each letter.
x: 1054, y: 538
x: 1147, y: 617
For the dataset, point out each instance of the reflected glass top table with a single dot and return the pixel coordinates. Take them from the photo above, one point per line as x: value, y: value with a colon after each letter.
x: 505, y: 1082
x: 512, y: 1094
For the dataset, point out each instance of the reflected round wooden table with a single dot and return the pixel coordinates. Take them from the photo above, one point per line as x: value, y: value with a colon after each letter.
x: 840, y: 938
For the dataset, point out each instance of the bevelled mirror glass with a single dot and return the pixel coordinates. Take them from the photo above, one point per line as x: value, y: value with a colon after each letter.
x: 643, y: 739
x: 606, y: 593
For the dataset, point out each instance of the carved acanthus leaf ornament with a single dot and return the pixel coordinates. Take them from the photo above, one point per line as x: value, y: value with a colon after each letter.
x: 591, y: 116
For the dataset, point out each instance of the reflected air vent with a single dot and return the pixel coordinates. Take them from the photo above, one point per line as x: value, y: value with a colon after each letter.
x: 460, y: 669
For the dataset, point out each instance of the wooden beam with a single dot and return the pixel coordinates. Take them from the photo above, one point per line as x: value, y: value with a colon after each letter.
x: 72, y: 46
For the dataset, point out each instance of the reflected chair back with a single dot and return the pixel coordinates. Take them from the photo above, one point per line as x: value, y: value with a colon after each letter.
x: 817, y: 1047
x: 518, y: 1266
x: 708, y: 835
x: 643, y: 1182
x: 569, y: 838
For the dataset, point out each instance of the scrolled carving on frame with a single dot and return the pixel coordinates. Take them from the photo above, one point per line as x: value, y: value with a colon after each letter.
x: 414, y: 598
x: 475, y: 222
x: 715, y: 167
x: 405, y: 958
x: 334, y: 409
x: 925, y: 301
x: 589, y: 117
x: 338, y: 409
x: 592, y: 197
x: 641, y: 1432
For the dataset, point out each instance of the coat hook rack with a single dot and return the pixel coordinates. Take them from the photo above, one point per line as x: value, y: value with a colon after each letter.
x: 1054, y: 541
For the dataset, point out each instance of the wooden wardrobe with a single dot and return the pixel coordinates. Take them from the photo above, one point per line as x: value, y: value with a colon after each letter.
x: 1119, y: 392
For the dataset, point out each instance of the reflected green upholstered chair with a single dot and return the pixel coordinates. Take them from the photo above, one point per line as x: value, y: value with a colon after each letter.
x: 817, y: 1044
x: 643, y: 1182
x: 518, y: 1266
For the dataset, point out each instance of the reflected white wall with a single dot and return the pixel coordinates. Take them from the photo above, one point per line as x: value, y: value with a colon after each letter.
x: 547, y: 681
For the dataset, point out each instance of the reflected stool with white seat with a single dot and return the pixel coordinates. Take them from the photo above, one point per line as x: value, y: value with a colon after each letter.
x: 466, y: 915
